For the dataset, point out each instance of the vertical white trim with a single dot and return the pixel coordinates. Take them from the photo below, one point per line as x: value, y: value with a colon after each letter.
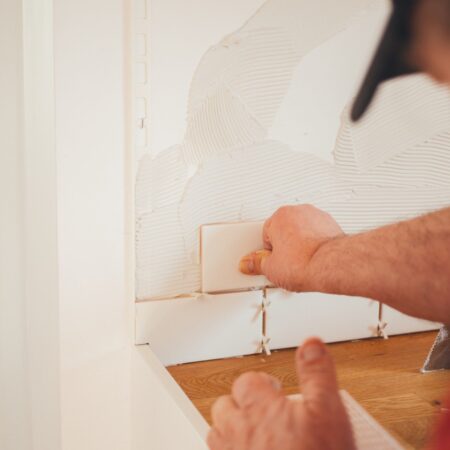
x: 41, y: 255
x: 141, y: 77
x: 15, y: 419
x: 96, y: 314
x: 130, y: 165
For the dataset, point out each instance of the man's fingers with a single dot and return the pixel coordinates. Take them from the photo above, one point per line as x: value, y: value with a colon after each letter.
x: 252, y: 387
x: 316, y: 373
x: 222, y: 410
x: 215, y: 440
x: 255, y: 263
x: 266, y: 234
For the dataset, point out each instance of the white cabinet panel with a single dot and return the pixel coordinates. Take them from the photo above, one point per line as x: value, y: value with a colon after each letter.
x: 291, y: 318
x: 399, y: 323
x: 163, y: 417
x: 210, y: 327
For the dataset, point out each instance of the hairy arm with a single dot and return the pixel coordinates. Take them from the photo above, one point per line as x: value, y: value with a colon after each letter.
x: 405, y: 265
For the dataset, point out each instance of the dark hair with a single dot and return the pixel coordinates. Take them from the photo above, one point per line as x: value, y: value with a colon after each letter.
x: 439, y: 12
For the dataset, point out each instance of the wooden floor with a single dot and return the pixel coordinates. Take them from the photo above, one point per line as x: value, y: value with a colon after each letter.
x: 382, y: 375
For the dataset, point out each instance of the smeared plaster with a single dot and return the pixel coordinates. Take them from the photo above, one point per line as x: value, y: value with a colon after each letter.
x: 160, y: 181
x: 421, y: 109
x: 393, y: 165
x: 241, y: 82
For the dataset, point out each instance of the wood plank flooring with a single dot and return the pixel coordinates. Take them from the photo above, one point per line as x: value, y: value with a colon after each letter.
x: 383, y: 375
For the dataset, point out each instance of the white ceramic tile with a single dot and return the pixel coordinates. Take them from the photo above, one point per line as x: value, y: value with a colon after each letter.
x: 399, y: 323
x: 214, y: 326
x: 222, y: 247
x: 291, y: 318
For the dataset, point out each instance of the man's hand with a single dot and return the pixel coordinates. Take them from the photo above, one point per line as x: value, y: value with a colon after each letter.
x: 291, y: 238
x: 257, y: 416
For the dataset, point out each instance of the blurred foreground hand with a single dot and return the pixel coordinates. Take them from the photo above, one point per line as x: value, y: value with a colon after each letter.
x: 257, y: 416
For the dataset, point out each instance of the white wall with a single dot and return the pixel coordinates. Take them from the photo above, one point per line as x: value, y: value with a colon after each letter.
x: 15, y: 429
x: 29, y: 325
x: 90, y: 141
x: 95, y: 299
x: 64, y: 316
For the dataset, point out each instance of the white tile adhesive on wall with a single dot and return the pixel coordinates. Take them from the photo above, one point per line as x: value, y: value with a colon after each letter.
x: 392, y: 165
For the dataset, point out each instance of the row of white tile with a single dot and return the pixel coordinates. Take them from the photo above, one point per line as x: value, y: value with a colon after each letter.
x: 226, y: 325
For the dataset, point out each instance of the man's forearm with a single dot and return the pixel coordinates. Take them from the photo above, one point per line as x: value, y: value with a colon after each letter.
x: 406, y: 265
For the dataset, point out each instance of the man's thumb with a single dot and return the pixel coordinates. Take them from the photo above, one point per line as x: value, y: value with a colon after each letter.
x: 254, y: 263
x: 316, y: 373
